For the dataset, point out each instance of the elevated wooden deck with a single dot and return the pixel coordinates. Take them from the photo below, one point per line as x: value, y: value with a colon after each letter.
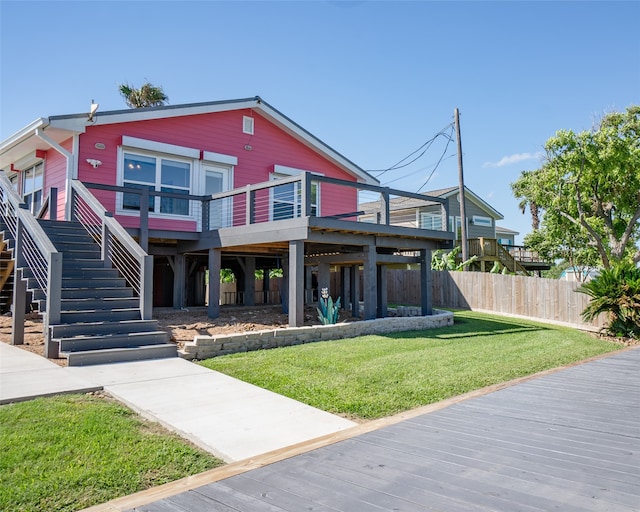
x: 568, y: 440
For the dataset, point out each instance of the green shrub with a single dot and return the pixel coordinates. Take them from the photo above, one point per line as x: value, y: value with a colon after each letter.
x: 616, y: 292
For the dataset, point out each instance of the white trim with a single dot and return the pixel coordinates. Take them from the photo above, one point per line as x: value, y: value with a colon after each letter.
x: 210, y: 156
x: 27, y: 161
x: 155, y: 213
x: 160, y: 147
x: 480, y: 220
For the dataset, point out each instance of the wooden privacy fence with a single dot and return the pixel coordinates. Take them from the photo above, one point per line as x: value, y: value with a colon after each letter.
x: 544, y: 299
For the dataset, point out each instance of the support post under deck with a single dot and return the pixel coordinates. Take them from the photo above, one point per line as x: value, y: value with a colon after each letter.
x: 296, y: 283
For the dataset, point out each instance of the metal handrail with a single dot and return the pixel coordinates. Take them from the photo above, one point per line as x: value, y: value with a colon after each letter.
x: 118, y: 247
x: 33, y: 251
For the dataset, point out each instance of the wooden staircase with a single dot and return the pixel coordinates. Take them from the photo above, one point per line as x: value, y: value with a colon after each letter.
x: 489, y: 251
x: 100, y: 318
x: 6, y: 271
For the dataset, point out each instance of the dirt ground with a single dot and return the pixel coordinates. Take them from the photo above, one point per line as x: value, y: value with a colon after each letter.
x: 182, y: 325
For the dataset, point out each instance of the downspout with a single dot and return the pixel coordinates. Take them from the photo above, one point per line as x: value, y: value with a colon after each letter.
x: 70, y: 167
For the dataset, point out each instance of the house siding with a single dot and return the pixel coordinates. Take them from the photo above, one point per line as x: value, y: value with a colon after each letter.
x: 472, y: 209
x: 219, y: 133
x: 55, y: 175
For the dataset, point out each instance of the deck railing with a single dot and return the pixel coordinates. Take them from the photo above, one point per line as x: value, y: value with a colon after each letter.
x: 118, y: 247
x: 303, y: 195
x: 36, y: 258
x: 522, y: 254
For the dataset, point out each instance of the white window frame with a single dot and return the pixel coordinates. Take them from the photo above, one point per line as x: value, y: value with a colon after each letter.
x: 282, y: 171
x: 248, y: 125
x: 155, y: 204
x: 458, y: 225
x: 194, y: 157
x: 37, y: 169
x: 430, y: 215
x: 480, y: 220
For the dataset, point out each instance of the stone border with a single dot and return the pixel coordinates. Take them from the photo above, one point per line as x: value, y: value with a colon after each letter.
x: 205, y: 347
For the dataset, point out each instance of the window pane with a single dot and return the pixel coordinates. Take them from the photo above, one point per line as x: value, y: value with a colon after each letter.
x: 175, y: 173
x: 139, y: 168
x: 174, y: 206
x: 284, y: 193
x: 132, y: 201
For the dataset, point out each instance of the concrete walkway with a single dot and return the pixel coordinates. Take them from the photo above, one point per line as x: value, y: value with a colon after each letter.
x: 227, y: 417
x: 24, y: 376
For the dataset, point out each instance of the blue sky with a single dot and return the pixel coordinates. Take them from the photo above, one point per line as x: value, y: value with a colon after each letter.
x: 375, y: 80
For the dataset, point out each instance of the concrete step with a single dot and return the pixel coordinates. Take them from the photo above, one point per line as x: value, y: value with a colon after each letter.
x: 99, y: 315
x: 102, y: 327
x: 133, y: 339
x: 118, y: 355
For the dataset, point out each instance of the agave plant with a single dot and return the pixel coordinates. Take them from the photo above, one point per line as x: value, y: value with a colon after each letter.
x: 615, y: 292
x: 328, y: 311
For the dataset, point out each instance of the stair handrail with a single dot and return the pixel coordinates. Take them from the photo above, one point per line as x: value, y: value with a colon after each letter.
x: 118, y: 246
x: 33, y: 250
x: 505, y: 255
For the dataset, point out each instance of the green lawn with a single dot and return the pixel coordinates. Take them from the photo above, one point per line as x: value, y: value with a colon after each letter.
x: 376, y: 376
x: 73, y: 451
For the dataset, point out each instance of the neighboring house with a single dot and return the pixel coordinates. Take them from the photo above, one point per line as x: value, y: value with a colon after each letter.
x: 481, y: 216
x: 506, y: 236
x: 198, y: 187
x: 486, y: 240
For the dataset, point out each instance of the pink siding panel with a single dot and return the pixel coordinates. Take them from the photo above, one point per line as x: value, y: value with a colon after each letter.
x: 55, y: 175
x: 219, y: 133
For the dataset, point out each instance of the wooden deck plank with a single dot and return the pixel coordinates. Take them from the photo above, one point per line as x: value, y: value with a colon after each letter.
x: 565, y: 441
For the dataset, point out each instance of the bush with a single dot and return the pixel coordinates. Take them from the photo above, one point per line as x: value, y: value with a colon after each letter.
x: 616, y: 292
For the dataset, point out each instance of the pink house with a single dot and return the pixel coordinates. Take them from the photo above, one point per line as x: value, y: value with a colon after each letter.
x: 229, y: 184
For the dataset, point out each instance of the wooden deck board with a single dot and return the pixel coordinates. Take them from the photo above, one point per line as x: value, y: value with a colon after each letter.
x: 566, y: 441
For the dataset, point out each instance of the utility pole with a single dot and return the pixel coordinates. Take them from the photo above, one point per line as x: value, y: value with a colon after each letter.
x: 463, y: 212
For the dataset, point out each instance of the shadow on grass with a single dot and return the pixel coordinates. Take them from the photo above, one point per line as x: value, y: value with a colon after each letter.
x: 469, y: 327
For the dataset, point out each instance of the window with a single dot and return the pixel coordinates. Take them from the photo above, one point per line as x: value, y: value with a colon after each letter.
x: 455, y: 226
x: 430, y: 220
x: 505, y: 241
x: 33, y: 180
x: 286, y: 200
x: 247, y: 125
x: 478, y: 220
x: 157, y: 174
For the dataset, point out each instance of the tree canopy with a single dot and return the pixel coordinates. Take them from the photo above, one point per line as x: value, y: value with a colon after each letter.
x: 588, y: 190
x: 146, y: 96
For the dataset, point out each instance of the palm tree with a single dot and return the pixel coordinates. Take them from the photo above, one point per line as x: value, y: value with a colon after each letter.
x: 147, y: 96
x: 535, y: 213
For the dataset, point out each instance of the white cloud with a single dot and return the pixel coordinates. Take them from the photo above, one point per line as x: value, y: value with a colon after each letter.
x: 513, y: 159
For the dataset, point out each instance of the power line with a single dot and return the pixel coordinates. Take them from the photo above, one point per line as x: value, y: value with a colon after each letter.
x: 424, y: 147
x: 439, y: 161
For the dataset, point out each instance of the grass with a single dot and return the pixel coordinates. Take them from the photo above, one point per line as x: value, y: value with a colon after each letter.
x: 74, y: 451
x: 375, y: 376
